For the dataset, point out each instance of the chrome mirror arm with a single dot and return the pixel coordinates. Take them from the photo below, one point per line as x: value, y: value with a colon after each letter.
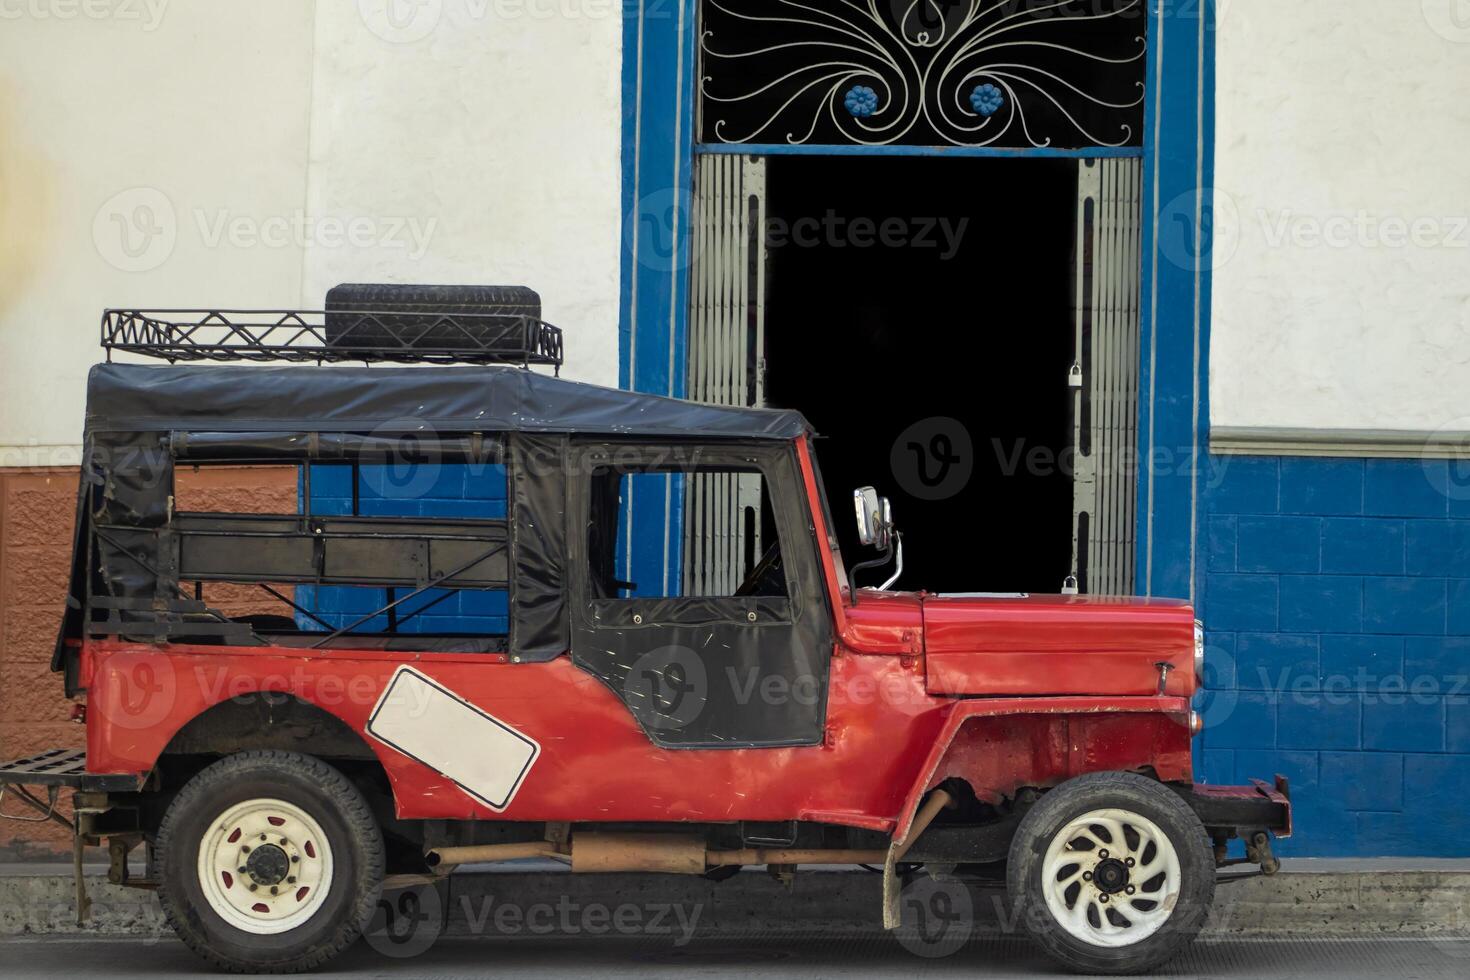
x: 898, y: 564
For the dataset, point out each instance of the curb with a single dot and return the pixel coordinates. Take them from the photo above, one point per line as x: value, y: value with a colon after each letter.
x: 1369, y: 903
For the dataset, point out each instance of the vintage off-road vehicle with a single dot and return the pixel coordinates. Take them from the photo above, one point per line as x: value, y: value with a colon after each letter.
x: 757, y: 707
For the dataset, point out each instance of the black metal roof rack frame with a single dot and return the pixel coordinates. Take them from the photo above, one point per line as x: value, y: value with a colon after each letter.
x: 305, y: 336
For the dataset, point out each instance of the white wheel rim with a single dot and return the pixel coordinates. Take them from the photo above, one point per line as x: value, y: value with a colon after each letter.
x: 266, y: 838
x: 1081, y: 884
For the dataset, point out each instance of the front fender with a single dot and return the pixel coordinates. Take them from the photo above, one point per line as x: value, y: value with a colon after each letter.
x: 998, y: 745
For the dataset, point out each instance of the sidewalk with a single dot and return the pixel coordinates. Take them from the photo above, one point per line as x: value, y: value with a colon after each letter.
x: 1308, y: 898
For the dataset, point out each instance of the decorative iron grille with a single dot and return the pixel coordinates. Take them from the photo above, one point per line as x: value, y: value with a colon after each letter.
x: 1064, y: 74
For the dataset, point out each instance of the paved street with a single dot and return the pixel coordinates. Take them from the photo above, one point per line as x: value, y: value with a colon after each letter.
x: 1422, y: 959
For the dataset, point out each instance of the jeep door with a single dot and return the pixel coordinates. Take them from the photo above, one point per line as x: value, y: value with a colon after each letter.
x: 731, y: 647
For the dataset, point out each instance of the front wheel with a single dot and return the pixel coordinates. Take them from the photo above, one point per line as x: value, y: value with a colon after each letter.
x: 1111, y: 873
x: 270, y: 862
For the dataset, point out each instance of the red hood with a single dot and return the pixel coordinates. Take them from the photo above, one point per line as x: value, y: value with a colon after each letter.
x: 1054, y: 644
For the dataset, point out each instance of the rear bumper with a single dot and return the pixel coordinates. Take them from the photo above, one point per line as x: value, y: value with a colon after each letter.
x: 64, y: 767
x: 1240, y: 811
x: 37, y: 781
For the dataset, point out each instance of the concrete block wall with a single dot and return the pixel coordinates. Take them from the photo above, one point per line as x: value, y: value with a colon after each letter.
x: 37, y: 513
x: 37, y: 508
x: 471, y: 490
x: 1336, y: 599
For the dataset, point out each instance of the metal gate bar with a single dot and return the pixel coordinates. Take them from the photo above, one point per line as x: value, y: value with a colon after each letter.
x: 726, y: 364
x: 1104, y: 377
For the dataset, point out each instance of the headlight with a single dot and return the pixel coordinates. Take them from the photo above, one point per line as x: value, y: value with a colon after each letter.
x: 1199, y: 651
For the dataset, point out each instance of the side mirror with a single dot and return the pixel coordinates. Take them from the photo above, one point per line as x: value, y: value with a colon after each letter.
x: 874, y: 517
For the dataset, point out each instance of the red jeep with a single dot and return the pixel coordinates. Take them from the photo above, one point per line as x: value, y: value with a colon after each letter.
x: 757, y: 707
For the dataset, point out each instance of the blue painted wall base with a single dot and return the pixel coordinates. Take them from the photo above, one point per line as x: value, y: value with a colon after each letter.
x: 1336, y: 596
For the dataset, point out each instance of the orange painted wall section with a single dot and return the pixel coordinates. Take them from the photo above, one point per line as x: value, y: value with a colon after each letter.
x: 37, y: 510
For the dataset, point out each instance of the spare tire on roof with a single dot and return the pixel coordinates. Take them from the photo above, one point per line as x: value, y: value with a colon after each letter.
x: 391, y: 316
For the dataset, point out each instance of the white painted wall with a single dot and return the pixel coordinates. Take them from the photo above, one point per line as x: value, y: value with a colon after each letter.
x: 257, y: 152
x: 497, y: 135
x: 1342, y: 280
x: 477, y: 141
x: 116, y: 134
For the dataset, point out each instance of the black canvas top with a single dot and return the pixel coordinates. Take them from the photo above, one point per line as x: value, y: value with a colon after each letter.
x: 272, y: 398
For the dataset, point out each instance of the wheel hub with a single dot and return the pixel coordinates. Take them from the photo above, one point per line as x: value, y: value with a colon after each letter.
x: 265, y: 866
x: 1110, y: 876
x: 268, y: 865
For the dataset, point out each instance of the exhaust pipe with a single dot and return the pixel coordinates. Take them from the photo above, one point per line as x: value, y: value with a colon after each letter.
x: 444, y: 858
x: 594, y: 853
x: 761, y: 855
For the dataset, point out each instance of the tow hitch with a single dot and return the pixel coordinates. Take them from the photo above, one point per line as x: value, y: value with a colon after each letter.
x: 1253, y: 813
x: 1257, y: 851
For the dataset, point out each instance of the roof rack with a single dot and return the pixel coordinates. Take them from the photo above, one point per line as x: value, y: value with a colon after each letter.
x: 395, y: 336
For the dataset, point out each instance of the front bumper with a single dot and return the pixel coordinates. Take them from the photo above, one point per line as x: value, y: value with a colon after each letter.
x: 1238, y: 811
x: 1254, y: 813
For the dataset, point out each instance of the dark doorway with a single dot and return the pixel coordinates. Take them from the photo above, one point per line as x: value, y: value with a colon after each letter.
x: 906, y: 291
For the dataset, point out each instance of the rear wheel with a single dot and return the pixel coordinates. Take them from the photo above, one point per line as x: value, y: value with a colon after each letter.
x: 270, y: 862
x: 1111, y: 873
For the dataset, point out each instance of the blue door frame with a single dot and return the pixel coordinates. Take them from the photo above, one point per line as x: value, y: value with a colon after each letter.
x: 1178, y: 148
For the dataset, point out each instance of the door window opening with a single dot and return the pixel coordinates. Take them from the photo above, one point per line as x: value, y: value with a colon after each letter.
x: 725, y: 520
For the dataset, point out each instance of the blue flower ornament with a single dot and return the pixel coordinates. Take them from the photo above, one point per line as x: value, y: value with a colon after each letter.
x: 861, y: 101
x: 986, y: 99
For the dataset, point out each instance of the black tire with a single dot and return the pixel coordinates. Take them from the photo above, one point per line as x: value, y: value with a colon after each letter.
x: 1137, y: 795
x: 495, y: 316
x: 346, y: 822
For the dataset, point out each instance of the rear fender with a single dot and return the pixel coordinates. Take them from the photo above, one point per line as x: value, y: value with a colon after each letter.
x: 145, y: 701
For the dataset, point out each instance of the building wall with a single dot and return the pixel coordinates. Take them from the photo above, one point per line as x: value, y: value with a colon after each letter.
x: 496, y: 135
x: 123, y: 143
x: 1342, y: 228
x: 37, y: 515
x: 196, y: 153
x: 36, y: 518
x: 1334, y: 588
x: 1337, y: 600
x: 319, y: 143
x: 432, y: 490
